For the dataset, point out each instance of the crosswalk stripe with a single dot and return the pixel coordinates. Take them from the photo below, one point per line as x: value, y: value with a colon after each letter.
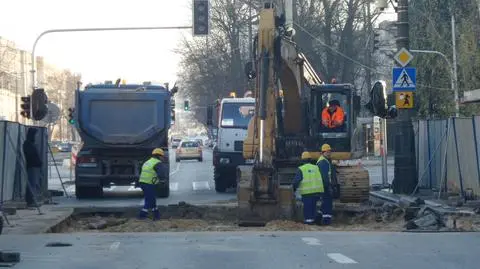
x: 312, y: 241
x: 173, y: 186
x: 340, y: 258
x: 200, y: 185
x: 132, y: 188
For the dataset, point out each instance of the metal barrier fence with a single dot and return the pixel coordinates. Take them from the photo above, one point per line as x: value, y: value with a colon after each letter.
x: 448, y: 155
x: 13, y: 171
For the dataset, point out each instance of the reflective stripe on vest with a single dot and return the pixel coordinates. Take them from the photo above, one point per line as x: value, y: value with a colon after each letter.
x: 311, y: 179
x: 322, y: 158
x: 148, y: 174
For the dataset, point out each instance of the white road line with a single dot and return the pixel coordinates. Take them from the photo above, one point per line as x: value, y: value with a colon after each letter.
x: 340, y: 258
x: 71, y: 189
x: 201, y: 185
x: 132, y: 188
x: 114, y: 246
x: 312, y: 241
x: 174, y: 186
x: 176, y: 170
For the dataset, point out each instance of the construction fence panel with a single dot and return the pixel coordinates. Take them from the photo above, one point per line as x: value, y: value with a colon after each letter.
x: 421, y: 149
x: 465, y: 145
x: 437, y: 143
x: 13, y: 170
x: 448, y: 155
x: 10, y: 160
x: 3, y: 131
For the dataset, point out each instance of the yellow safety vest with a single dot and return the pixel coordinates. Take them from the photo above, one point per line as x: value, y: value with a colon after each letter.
x: 322, y: 158
x: 148, y: 174
x: 311, y: 179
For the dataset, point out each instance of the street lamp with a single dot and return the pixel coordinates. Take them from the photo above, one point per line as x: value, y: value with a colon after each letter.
x: 33, y: 83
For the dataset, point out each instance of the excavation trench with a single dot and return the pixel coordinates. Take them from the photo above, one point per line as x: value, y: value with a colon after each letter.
x: 185, y: 217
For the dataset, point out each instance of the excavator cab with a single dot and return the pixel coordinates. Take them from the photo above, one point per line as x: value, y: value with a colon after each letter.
x: 322, y: 98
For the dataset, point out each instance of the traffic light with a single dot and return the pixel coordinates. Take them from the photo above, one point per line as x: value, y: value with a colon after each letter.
x: 39, y: 104
x: 71, y: 118
x: 376, y: 40
x: 186, y: 105
x: 200, y: 17
x: 26, y: 107
x: 172, y: 110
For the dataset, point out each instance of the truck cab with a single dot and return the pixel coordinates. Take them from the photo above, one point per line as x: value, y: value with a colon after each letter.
x: 233, y: 117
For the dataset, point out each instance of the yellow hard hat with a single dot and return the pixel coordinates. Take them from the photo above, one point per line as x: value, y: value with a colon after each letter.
x: 158, y: 151
x: 306, y: 155
x: 326, y: 147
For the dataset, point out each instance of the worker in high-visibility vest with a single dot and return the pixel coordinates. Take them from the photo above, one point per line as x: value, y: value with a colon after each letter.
x: 326, y: 169
x: 152, y: 170
x: 308, y: 180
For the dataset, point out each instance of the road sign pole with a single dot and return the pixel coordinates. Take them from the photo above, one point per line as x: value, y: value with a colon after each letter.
x: 405, y: 176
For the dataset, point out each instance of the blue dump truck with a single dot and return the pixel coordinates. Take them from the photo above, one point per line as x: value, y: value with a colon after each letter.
x: 119, y: 125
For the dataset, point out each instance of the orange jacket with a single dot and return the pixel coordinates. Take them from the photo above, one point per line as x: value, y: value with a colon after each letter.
x: 333, y: 120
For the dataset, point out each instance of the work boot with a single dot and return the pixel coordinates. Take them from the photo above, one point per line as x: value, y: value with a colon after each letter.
x: 156, y: 214
x: 326, y: 221
x: 143, y: 214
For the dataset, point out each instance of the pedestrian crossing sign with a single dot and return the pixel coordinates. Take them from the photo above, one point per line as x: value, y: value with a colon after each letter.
x: 404, y: 79
x: 404, y: 99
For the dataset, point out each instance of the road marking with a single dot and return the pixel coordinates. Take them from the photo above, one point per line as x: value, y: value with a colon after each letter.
x: 132, y: 188
x: 312, y: 241
x: 176, y: 170
x: 340, y: 258
x: 114, y: 246
x: 71, y: 189
x: 173, y: 186
x: 201, y: 185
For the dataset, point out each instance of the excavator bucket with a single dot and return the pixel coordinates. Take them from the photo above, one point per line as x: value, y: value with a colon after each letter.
x: 261, y: 198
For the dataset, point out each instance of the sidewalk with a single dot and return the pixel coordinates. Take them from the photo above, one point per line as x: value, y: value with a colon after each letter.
x: 29, y: 221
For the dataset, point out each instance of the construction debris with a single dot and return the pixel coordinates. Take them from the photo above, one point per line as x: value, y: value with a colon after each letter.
x: 9, y: 257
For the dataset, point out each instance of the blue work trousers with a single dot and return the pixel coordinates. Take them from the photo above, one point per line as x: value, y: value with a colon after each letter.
x: 310, y: 207
x: 150, y: 195
x: 327, y: 207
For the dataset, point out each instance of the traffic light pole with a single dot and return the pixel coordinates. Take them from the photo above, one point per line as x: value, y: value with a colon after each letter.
x: 32, y: 71
x: 406, y: 177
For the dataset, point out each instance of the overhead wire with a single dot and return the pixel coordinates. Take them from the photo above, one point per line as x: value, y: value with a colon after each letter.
x: 353, y: 60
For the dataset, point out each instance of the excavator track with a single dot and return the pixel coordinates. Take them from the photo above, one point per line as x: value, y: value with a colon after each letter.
x: 354, y: 184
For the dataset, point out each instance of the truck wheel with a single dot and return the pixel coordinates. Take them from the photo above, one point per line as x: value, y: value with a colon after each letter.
x: 200, y: 159
x: 177, y: 160
x: 163, y: 192
x: 219, y: 179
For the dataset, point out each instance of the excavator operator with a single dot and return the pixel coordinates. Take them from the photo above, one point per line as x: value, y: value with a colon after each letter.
x: 333, y: 116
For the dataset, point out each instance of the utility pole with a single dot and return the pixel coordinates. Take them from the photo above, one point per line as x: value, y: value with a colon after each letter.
x: 370, y: 46
x: 406, y: 177
x: 454, y: 63
x: 250, y: 32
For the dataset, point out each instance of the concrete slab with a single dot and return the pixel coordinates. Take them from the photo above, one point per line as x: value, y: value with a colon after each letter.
x: 28, y: 221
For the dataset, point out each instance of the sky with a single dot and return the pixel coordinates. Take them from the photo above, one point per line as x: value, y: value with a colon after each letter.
x: 135, y: 56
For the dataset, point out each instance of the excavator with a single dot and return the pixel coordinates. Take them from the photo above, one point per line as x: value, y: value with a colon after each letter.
x: 290, y: 97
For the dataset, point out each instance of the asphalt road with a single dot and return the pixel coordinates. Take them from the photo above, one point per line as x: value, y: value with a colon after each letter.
x: 282, y: 250
x: 190, y: 181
